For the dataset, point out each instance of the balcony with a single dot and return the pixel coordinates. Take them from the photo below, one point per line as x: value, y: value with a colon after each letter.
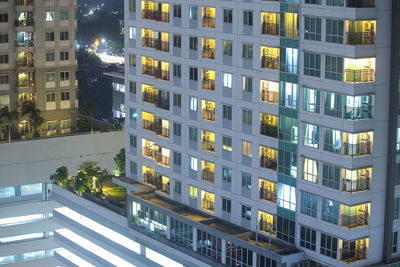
x: 24, y: 2
x: 354, y: 251
x: 270, y: 23
x: 359, y: 76
x: 207, y: 175
x: 269, y: 58
x: 360, y: 3
x: 161, y: 183
x: 358, y: 185
x: 155, y: 11
x: 268, y: 125
x: 25, y: 80
x: 268, y: 191
x: 269, y: 92
x: 208, y: 79
x: 363, y: 112
x: 359, y: 70
x: 207, y: 201
x: 155, y: 68
x: 268, y: 158
x: 208, y: 19
x: 360, y: 38
x: 359, y: 144
x: 156, y: 126
x: 156, y: 97
x: 267, y: 223
x: 208, y: 115
x: 208, y: 48
x: 356, y: 216
x: 24, y: 19
x: 159, y: 154
x: 25, y: 60
x: 208, y: 141
x: 157, y: 44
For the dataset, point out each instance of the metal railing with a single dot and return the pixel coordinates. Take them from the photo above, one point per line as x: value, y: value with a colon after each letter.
x: 208, y: 114
x: 208, y: 175
x: 268, y: 130
x: 268, y: 195
x: 24, y: 2
x: 155, y: 43
x: 25, y: 43
x: 208, y: 84
x: 360, y: 149
x: 267, y: 227
x: 208, y: 145
x: 266, y: 162
x: 269, y: 96
x: 26, y: 22
x: 208, y: 53
x: 269, y: 62
x: 360, y: 38
x: 208, y: 22
x: 359, y: 76
x: 156, y: 15
x: 207, y: 204
x: 156, y: 72
x: 270, y: 28
x: 353, y: 255
x: 160, y: 159
x: 351, y: 221
x: 361, y: 184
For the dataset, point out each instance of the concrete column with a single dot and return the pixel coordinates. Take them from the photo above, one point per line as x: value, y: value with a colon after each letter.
x: 254, y: 259
x: 194, y: 239
x: 142, y: 250
x: 168, y: 227
x: 44, y: 191
x: 223, y: 251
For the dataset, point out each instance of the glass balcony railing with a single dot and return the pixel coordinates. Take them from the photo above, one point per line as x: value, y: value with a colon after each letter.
x: 267, y: 223
x: 270, y: 23
x: 268, y: 125
x: 360, y: 38
x: 208, y: 52
x: 208, y: 19
x: 207, y: 205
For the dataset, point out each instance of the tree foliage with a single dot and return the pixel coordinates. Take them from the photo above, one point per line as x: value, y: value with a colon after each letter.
x: 29, y: 109
x: 119, y: 160
x: 60, y: 176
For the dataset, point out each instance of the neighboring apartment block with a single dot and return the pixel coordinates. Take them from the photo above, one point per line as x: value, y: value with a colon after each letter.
x: 37, y: 61
x: 261, y: 118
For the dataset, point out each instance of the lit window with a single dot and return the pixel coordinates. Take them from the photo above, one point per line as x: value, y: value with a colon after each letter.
x: 246, y: 148
x: 132, y: 33
x: 193, y: 163
x: 227, y: 80
x: 287, y: 196
x: 310, y: 170
x: 49, y: 16
x: 193, y: 192
x: 193, y: 104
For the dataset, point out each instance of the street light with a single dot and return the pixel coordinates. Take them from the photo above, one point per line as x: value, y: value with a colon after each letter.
x: 104, y: 41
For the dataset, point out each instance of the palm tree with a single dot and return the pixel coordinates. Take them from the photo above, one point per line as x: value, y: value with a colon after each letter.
x: 29, y: 109
x: 118, y: 123
x: 89, y: 109
x: 9, y: 117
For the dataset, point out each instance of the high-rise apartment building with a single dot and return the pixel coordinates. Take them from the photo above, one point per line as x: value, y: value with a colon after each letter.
x: 37, y: 61
x: 265, y: 119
